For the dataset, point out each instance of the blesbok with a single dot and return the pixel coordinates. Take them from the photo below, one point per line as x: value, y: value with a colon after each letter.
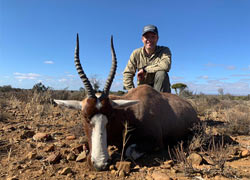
x: 155, y: 118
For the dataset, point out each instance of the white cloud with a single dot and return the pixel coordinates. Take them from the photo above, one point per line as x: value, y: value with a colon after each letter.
x: 231, y: 67
x: 212, y: 65
x: 212, y: 86
x: 70, y: 75
x: 176, y: 78
x: 203, y: 77
x: 48, y: 62
x: 63, y: 80
x: 21, y: 76
x: 240, y: 75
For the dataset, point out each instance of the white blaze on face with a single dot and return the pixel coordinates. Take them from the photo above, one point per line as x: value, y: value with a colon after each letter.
x: 99, y: 154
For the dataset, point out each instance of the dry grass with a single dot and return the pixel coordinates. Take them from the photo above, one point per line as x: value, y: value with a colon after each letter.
x: 3, y: 115
x: 233, y: 114
x: 215, y: 147
x: 237, y: 120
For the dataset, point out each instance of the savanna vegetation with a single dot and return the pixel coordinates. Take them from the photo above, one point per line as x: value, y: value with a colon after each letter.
x: 219, y: 147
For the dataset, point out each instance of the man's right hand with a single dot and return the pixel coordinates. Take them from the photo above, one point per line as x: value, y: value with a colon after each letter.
x: 140, y: 75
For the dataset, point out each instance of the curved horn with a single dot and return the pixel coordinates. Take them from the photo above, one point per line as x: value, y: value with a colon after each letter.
x: 111, y: 76
x: 81, y: 73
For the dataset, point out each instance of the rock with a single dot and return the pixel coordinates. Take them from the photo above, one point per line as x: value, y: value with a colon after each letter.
x: 12, y: 178
x: 137, y: 167
x: 70, y: 137
x: 170, y: 162
x: 123, y: 165
x: 54, y: 158
x: 65, y: 171
x: 220, y: 178
x: 111, y: 167
x: 31, y: 145
x: 203, y: 167
x: 40, y: 145
x: 65, y: 152
x: 27, y: 134
x: 194, y: 158
x: 167, y: 164
x: 160, y: 176
x: 148, y: 177
x: 77, y: 149
x: 83, y: 140
x: 71, y: 157
x: 49, y: 148
x: 245, y: 153
x: 56, y: 114
x: 31, y: 155
x: 208, y: 160
x: 81, y: 157
x: 92, y: 176
x: 61, y: 144
x: 41, y: 137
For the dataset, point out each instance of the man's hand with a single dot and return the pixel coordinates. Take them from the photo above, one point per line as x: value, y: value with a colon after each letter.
x: 141, y: 74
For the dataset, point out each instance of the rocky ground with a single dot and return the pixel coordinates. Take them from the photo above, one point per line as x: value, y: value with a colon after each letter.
x: 42, y: 141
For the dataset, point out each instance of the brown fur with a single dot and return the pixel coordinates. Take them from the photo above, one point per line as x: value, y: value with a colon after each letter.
x: 159, y: 118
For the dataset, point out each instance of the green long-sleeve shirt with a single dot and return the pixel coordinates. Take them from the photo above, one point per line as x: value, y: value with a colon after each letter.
x: 158, y: 61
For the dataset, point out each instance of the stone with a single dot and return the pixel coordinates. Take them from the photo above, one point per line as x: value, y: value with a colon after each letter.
x: 41, y: 137
x: 111, y: 167
x: 70, y: 137
x: 65, y: 171
x: 194, y: 158
x: 137, y: 167
x: 92, y: 176
x: 71, y: 157
x: 54, y: 158
x: 49, y: 148
x: 245, y: 153
x: 169, y: 162
x: 56, y: 114
x: 208, y: 160
x: 203, y: 167
x: 160, y: 176
x: 81, y: 157
x: 77, y: 149
x: 31, y: 145
x: 27, y: 134
x: 83, y: 140
x: 123, y: 165
x: 113, y: 172
x: 220, y: 178
x: 148, y: 177
x: 31, y: 155
x: 12, y: 178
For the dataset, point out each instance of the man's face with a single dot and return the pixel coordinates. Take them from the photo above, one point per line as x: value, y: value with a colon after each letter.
x: 149, y: 40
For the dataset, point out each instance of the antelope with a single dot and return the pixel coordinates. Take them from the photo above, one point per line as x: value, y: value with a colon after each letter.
x: 155, y: 118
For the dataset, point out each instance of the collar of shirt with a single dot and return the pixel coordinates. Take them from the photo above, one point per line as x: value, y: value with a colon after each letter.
x: 145, y: 54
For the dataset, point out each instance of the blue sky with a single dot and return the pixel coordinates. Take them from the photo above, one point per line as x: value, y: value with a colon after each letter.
x: 209, y: 41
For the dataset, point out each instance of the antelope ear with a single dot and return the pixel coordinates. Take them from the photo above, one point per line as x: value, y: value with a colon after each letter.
x: 69, y: 103
x: 120, y: 103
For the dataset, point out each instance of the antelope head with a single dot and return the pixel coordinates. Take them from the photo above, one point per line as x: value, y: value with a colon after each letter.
x: 97, y: 112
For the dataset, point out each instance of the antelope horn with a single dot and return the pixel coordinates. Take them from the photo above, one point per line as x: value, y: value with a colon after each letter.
x: 81, y: 73
x: 111, y: 76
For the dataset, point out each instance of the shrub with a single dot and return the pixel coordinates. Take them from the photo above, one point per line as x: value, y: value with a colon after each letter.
x: 238, y: 121
x: 6, y: 88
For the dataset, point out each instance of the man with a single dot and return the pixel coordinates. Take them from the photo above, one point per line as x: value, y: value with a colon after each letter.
x: 152, y: 62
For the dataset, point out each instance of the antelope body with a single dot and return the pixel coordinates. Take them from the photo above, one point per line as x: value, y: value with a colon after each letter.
x: 154, y: 118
